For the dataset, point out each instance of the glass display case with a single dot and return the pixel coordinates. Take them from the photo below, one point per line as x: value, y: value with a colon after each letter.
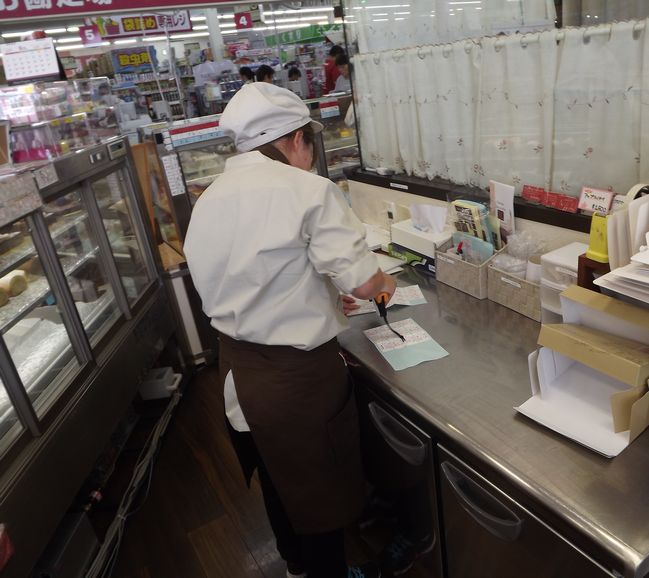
x: 83, y: 318
x: 70, y: 269
x: 336, y: 113
x: 50, y: 119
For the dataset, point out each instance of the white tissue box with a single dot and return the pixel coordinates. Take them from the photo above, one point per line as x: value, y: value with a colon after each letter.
x: 406, y: 235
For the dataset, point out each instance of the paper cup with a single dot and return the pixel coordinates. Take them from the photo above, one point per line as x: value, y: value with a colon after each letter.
x: 533, y: 272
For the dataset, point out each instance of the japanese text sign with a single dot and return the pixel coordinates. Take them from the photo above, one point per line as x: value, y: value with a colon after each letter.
x: 595, y: 200
x: 21, y: 9
x: 138, y: 24
x: 133, y: 60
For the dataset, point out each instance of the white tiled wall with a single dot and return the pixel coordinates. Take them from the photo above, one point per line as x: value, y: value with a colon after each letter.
x: 368, y: 202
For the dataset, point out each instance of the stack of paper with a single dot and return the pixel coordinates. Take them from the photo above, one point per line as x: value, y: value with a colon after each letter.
x: 410, y: 295
x: 631, y: 280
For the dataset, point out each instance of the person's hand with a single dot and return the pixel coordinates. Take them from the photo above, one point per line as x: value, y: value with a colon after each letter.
x: 349, y: 304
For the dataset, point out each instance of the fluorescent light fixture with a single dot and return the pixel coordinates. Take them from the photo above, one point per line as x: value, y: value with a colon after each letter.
x: 301, y: 11
x: 153, y: 38
x: 380, y: 20
x: 73, y: 29
x: 17, y: 34
x: 55, y: 31
x: 397, y: 19
x: 127, y: 41
x: 200, y: 27
x: 387, y: 6
x: 400, y: 13
x: 227, y: 25
x: 221, y: 16
x: 198, y: 18
x: 188, y: 35
x: 70, y: 47
x: 465, y: 2
x: 380, y: 14
x: 68, y: 39
x: 287, y: 20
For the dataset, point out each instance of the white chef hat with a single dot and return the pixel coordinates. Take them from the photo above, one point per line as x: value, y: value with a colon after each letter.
x: 261, y: 113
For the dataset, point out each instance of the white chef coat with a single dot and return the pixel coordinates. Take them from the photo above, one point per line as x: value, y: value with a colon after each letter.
x: 211, y: 71
x: 269, y: 248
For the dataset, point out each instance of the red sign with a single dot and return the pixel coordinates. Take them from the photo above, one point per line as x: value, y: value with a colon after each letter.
x: 243, y: 20
x: 562, y: 202
x: 534, y: 194
x: 121, y: 26
x: 21, y: 9
x: 89, y: 35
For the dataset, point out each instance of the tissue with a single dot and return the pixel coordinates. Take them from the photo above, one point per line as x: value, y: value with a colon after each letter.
x: 428, y: 218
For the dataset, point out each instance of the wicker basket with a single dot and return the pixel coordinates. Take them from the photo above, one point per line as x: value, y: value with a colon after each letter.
x: 466, y: 277
x: 514, y: 293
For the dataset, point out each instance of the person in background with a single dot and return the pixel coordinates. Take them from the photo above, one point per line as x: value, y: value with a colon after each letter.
x: 246, y: 74
x: 294, y: 74
x: 265, y: 74
x: 331, y: 70
x: 274, y: 252
x: 343, y: 84
x: 211, y: 71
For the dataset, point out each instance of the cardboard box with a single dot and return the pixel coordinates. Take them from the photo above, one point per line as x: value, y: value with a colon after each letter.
x: 620, y: 358
x: 589, y: 381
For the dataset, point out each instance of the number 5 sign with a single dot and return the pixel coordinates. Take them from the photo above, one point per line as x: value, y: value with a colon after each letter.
x: 243, y: 20
x: 90, y: 34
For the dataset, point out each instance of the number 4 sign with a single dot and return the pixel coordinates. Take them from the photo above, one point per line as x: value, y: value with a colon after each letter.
x: 90, y: 34
x: 243, y: 20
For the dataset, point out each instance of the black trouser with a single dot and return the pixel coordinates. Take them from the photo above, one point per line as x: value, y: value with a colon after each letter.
x: 320, y: 555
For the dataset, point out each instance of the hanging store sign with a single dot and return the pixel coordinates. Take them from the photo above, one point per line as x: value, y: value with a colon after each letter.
x: 311, y: 33
x: 134, y: 60
x: 243, y: 20
x: 21, y: 9
x: 90, y: 35
x: 137, y: 25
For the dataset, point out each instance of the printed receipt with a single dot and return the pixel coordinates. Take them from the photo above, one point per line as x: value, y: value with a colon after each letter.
x: 417, y: 348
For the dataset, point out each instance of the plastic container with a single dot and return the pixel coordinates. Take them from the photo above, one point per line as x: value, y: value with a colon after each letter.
x: 550, y: 316
x: 550, y: 295
x: 160, y: 382
x: 560, y: 266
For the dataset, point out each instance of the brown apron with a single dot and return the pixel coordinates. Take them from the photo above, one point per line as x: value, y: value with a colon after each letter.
x: 302, y: 415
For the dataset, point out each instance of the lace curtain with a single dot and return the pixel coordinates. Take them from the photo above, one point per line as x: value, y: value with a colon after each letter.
x: 376, y: 25
x: 557, y: 109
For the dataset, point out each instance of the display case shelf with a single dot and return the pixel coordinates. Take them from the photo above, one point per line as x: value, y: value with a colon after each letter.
x: 36, y: 291
x: 341, y: 144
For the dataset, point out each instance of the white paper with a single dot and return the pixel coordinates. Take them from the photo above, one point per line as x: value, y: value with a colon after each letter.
x: 574, y: 400
x: 389, y: 264
x: 417, y: 348
x: 428, y: 218
x: 376, y: 237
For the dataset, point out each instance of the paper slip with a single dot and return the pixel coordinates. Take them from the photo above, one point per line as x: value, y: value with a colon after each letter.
x: 418, y: 347
x: 375, y: 236
x: 410, y: 295
x: 389, y: 264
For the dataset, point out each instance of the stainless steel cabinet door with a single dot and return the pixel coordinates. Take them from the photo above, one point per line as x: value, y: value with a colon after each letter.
x: 489, y: 535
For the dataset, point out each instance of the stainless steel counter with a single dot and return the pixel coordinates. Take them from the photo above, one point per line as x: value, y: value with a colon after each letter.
x: 468, y: 397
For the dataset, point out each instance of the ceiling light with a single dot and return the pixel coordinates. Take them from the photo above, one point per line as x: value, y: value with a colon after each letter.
x: 73, y: 29
x: 201, y: 27
x: 189, y: 35
x: 153, y: 38
x: 302, y: 10
x: 198, y: 18
x: 16, y: 34
x: 128, y: 41
x: 71, y: 47
x: 227, y: 25
x: 55, y: 31
x: 68, y: 39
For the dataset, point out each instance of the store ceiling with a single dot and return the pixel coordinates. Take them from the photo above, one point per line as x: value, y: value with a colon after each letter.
x: 277, y: 15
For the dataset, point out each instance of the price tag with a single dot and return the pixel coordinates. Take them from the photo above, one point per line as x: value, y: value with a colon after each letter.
x: 595, y: 200
x: 174, y: 175
x: 329, y: 109
x: 243, y: 20
x: 534, y: 194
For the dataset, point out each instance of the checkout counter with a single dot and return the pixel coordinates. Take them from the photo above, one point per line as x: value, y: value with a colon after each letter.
x: 509, y: 498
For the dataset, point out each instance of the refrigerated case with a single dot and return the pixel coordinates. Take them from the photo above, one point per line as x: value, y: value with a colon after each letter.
x: 83, y: 316
x: 168, y: 207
